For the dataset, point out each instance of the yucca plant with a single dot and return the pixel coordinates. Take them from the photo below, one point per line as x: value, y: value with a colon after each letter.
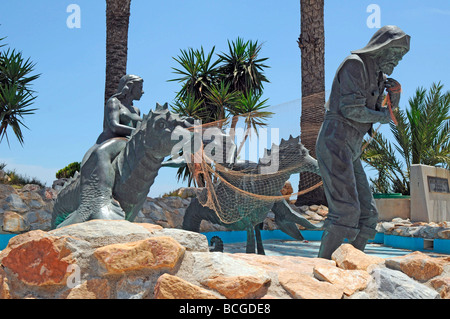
x: 16, y: 95
x: 214, y: 90
x: 422, y: 136
x: 241, y: 68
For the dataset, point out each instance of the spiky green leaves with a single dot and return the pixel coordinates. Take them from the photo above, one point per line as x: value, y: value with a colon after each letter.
x: 16, y: 95
x: 422, y: 137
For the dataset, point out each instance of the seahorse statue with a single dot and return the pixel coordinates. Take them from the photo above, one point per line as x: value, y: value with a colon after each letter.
x: 250, y: 211
x: 135, y: 170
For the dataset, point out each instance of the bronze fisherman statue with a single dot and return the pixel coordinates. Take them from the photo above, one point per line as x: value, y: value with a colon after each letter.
x: 355, y: 103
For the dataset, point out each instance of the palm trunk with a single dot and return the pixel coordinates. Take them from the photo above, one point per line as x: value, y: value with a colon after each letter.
x: 117, y: 21
x: 312, y: 45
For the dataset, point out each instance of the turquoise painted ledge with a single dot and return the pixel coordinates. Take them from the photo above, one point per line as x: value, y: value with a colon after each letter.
x: 441, y: 246
x: 241, y: 236
x: 4, y: 239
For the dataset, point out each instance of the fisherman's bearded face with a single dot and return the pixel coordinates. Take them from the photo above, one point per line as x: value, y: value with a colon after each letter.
x: 390, y: 58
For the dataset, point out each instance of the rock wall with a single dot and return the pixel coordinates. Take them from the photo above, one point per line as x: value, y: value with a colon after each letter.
x: 30, y: 208
x: 27, y: 208
x: 120, y: 260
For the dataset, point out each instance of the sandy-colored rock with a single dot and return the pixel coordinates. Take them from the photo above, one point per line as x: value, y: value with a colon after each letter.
x: 91, y: 289
x: 187, y: 192
x: 313, y: 215
x: 442, y: 285
x: 238, y: 287
x: 152, y: 253
x: 4, y: 288
x: 418, y: 265
x: 14, y: 223
x: 349, y: 280
x: 322, y: 211
x: 40, y: 262
x: 192, y: 241
x: 104, y: 232
x: 298, y: 264
x: 150, y: 227
x: 302, y: 286
x: 348, y: 257
x: 173, y: 287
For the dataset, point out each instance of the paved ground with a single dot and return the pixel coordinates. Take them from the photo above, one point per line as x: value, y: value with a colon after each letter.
x: 311, y: 249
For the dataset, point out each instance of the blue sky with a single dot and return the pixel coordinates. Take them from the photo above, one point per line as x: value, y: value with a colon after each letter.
x: 72, y: 61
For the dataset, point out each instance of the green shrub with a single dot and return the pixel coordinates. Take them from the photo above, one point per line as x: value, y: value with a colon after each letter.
x: 69, y: 170
x: 19, y: 180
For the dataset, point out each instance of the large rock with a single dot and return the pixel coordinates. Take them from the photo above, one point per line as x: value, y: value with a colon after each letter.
x: 187, y: 192
x: 239, y: 287
x: 105, y: 232
x: 165, y: 211
x: 173, y: 287
x: 41, y: 262
x: 90, y: 289
x: 15, y: 203
x: 302, y: 286
x: 129, y: 256
x: 442, y: 285
x: 348, y: 257
x: 393, y: 284
x: 349, y: 280
x: 418, y: 265
x: 147, y: 254
x: 14, y: 223
x: 32, y: 206
x: 4, y: 287
x: 121, y: 260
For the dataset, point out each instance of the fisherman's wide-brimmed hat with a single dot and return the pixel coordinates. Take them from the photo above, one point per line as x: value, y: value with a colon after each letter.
x: 386, y: 37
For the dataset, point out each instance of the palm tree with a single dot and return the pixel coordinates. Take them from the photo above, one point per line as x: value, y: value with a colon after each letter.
x: 16, y: 96
x: 117, y: 22
x: 241, y: 67
x: 198, y: 75
x: 422, y: 136
x: 214, y: 90
x: 250, y: 107
x: 312, y: 45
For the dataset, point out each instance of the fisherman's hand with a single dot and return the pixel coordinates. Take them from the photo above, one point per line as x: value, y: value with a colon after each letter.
x: 394, y: 89
x: 387, y: 116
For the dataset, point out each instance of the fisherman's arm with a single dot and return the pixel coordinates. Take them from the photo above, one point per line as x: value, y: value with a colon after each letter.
x: 353, y: 100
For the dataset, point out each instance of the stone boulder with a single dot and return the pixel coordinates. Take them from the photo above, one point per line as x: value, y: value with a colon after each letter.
x: 28, y: 208
x: 391, y: 284
x: 71, y: 261
x: 103, y: 259
x: 348, y: 257
x: 405, y: 228
x: 419, y: 266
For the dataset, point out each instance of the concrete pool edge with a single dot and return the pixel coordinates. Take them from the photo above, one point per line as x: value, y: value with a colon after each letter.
x: 441, y: 246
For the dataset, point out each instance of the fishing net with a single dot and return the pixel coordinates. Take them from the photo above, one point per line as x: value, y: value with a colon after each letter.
x: 233, y: 184
x: 240, y: 171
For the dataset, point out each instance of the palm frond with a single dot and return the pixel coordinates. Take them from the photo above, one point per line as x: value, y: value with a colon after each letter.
x: 422, y: 136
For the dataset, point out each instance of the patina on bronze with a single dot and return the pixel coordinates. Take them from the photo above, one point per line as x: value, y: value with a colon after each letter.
x: 355, y: 103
